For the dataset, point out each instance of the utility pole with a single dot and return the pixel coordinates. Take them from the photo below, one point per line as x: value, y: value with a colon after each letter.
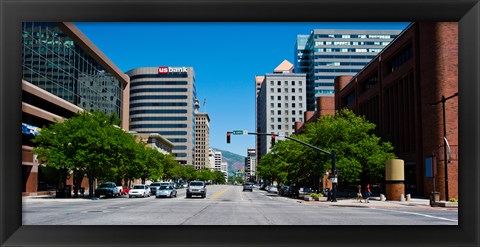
x: 443, y: 100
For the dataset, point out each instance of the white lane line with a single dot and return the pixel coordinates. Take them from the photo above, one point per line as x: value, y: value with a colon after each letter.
x: 419, y: 214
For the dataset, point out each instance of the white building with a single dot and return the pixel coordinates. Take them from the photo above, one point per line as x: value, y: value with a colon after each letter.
x: 251, y: 164
x: 281, y: 102
x: 218, y: 161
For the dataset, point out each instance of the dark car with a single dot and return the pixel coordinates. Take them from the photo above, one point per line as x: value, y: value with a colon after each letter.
x: 248, y: 186
x: 293, y: 192
x: 284, y: 190
x: 107, y: 189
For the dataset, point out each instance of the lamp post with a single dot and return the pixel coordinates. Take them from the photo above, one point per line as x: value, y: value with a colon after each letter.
x: 443, y: 100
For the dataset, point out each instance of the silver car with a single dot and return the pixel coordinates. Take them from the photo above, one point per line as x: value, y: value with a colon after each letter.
x: 196, y: 188
x: 166, y: 191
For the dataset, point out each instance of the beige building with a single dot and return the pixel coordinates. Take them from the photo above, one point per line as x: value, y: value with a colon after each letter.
x: 202, y: 138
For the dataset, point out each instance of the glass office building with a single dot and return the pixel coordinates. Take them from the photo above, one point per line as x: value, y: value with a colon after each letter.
x: 53, y: 61
x: 63, y: 73
x: 326, y: 54
x: 162, y: 100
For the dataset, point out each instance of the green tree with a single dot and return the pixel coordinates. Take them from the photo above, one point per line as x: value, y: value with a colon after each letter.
x: 359, y: 152
x: 87, y: 143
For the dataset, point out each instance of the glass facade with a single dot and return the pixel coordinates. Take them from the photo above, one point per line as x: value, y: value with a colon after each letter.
x: 54, y: 62
x: 327, y: 54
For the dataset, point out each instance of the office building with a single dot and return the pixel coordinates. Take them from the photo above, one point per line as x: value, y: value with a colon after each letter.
x: 63, y: 73
x: 202, y: 138
x: 330, y: 53
x: 218, y: 161
x: 280, y: 103
x: 396, y: 91
x: 162, y: 101
x: 251, y: 164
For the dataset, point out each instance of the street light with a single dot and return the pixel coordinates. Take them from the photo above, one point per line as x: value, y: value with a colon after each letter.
x: 443, y: 100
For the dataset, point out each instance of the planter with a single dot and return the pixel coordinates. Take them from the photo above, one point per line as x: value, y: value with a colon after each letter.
x: 316, y: 199
x: 307, y: 198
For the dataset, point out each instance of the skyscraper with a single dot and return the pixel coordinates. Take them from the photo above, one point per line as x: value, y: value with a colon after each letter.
x: 202, y: 138
x: 162, y: 101
x: 330, y: 53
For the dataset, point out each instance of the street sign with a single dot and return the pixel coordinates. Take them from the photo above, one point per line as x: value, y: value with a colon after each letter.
x: 281, y: 136
x: 240, y: 132
x: 334, y: 180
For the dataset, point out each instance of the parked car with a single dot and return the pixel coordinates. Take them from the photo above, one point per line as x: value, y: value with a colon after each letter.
x: 284, y: 190
x: 125, y: 191
x: 139, y: 190
x: 293, y: 192
x: 263, y: 187
x: 196, y: 188
x: 248, y: 186
x: 107, y: 189
x: 154, y: 186
x: 272, y: 189
x: 166, y: 191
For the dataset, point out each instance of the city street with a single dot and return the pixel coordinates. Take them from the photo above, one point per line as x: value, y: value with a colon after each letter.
x: 227, y: 205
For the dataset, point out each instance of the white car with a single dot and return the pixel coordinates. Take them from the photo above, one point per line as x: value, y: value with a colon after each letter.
x: 272, y: 189
x: 139, y: 190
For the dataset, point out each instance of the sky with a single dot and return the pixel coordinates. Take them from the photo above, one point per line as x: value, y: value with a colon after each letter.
x: 226, y: 57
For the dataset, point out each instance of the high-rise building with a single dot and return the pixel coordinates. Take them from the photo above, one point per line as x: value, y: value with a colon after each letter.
x: 218, y: 161
x: 162, y: 101
x: 202, y: 138
x: 251, y: 164
x: 330, y: 53
x: 280, y: 103
x: 258, y: 85
x: 63, y: 73
x: 211, y: 159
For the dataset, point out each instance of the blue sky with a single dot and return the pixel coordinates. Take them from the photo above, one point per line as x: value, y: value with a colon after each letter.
x: 226, y: 58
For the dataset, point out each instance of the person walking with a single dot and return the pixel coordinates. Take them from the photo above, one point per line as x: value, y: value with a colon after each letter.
x: 359, y: 193
x: 368, y: 193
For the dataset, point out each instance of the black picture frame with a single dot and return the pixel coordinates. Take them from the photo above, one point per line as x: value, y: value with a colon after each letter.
x: 13, y: 13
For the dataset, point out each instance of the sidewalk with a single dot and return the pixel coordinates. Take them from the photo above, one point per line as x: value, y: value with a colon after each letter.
x: 375, y: 202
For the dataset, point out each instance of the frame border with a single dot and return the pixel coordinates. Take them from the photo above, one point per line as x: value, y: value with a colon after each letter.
x: 13, y: 12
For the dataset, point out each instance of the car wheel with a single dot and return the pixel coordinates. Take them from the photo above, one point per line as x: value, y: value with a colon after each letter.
x: 129, y: 196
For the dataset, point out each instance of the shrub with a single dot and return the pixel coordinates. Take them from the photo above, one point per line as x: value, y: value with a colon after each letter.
x: 453, y: 200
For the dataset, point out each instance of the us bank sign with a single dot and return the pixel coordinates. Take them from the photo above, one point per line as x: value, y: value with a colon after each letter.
x: 165, y: 70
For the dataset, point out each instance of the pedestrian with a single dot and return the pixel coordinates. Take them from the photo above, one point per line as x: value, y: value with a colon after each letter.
x: 368, y: 193
x: 359, y: 193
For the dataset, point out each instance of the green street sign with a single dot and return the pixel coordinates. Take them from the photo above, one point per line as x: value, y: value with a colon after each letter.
x: 240, y: 132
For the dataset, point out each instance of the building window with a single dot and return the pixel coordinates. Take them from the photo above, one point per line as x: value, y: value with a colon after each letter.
x: 293, y: 120
x: 279, y: 83
x: 279, y: 127
x: 293, y: 97
x: 279, y: 90
x: 271, y: 83
x: 293, y: 112
x: 293, y: 105
x: 279, y: 112
x: 293, y: 90
x: 279, y: 97
x: 293, y: 83
x: 279, y: 104
x: 279, y: 120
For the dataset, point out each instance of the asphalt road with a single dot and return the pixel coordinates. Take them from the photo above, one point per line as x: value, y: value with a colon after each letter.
x: 224, y: 205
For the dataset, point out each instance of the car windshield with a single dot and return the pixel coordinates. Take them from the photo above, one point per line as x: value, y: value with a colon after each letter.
x: 164, y: 187
x: 155, y: 184
x: 105, y: 185
x: 196, y: 184
x: 141, y: 187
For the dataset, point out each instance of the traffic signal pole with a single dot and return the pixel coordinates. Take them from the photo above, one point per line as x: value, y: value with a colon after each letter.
x: 332, y: 155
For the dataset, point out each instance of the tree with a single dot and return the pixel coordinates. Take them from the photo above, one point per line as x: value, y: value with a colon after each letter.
x: 359, y: 153
x: 87, y: 143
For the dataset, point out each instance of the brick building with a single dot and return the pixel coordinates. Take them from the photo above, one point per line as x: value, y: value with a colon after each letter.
x: 396, y: 91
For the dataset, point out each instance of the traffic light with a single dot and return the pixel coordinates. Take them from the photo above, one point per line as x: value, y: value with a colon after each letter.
x: 228, y: 137
x: 273, y: 140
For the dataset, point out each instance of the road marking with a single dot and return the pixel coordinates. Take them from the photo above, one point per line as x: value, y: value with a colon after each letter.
x: 424, y: 215
x: 219, y: 193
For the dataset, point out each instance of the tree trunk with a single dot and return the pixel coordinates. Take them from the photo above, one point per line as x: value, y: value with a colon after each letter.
x: 90, y: 185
